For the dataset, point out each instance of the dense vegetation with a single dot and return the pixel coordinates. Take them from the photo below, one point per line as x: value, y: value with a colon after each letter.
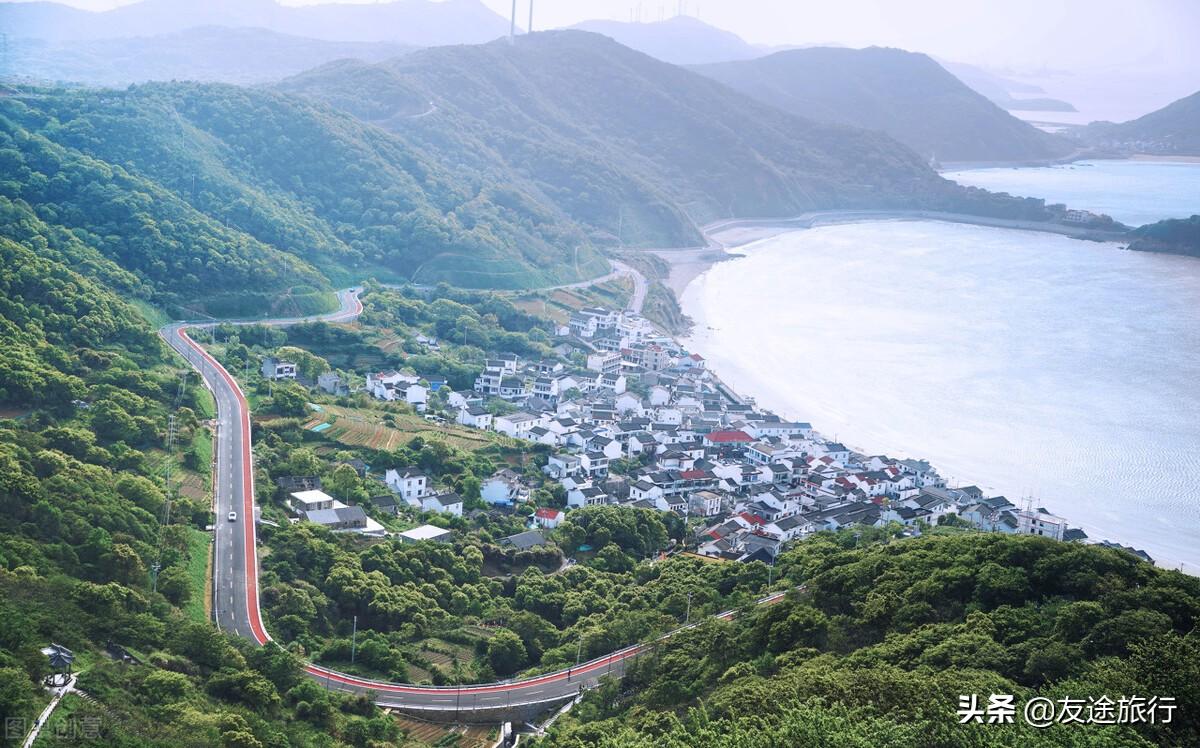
x: 85, y: 393
x: 204, y: 190
x: 878, y: 644
x: 632, y: 147
x: 906, y: 95
x: 1180, y: 236
x: 413, y: 602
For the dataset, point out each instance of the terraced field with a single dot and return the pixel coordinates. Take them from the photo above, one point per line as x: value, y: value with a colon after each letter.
x: 427, y: 733
x: 357, y: 427
x: 559, y: 304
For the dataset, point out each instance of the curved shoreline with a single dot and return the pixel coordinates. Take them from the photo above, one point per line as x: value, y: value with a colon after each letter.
x: 687, y: 263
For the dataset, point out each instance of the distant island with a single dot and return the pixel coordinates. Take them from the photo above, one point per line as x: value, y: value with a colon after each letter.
x: 1179, y: 236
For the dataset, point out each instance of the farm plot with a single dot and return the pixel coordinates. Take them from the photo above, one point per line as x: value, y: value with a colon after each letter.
x: 368, y: 428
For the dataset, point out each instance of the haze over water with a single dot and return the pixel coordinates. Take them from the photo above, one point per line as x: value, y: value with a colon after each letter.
x: 1023, y: 362
x: 1133, y: 192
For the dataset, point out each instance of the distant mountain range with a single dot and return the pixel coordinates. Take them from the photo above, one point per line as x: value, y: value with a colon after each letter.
x: 907, y: 95
x: 638, y: 150
x: 1008, y: 93
x: 1173, y: 130
x: 204, y: 53
x: 410, y: 22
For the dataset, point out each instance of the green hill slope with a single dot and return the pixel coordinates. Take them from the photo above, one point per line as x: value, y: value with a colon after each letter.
x: 906, y: 95
x: 212, y: 189
x: 1173, y: 130
x: 637, y: 149
x: 881, y: 644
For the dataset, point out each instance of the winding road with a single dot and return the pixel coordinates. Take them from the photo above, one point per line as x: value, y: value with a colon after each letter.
x: 235, y: 562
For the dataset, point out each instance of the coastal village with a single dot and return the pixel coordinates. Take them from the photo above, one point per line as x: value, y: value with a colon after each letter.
x: 633, y: 419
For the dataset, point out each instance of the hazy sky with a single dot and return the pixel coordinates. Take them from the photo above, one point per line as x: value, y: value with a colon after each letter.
x: 1026, y: 35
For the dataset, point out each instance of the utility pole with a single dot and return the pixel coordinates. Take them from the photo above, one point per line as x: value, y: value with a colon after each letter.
x: 512, y: 25
x: 688, y: 615
x: 530, y: 29
x: 354, y: 641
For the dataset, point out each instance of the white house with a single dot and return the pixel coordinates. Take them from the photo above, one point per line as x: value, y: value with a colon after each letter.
x: 586, y: 495
x: 273, y: 368
x: 1041, y: 522
x: 475, y: 417
x: 548, y: 518
x: 614, y: 383
x: 409, y: 483
x: 516, y: 425
x: 447, y: 503
x: 503, y: 488
x: 605, y: 362
x: 303, y: 502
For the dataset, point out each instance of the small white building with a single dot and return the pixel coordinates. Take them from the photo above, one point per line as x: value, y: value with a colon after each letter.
x: 409, y: 483
x: 476, y: 417
x: 303, y: 502
x: 548, y: 518
x: 273, y: 368
x: 425, y: 532
x: 503, y: 488
x: 516, y: 425
x: 446, y: 503
x: 1041, y: 522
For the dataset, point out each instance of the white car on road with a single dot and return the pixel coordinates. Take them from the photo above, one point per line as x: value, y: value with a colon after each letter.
x: 233, y: 516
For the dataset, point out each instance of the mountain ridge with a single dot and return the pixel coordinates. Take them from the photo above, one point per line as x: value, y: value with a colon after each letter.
x: 586, y: 118
x: 413, y: 22
x: 907, y: 95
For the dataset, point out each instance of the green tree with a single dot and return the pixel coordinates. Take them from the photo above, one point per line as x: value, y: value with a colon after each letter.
x: 506, y: 653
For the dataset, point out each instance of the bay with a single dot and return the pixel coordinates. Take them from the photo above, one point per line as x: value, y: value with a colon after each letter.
x: 1029, y: 364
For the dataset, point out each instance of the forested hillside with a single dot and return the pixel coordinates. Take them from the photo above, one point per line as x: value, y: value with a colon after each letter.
x: 203, y: 190
x: 879, y: 643
x: 1180, y: 236
x: 906, y: 95
x: 1173, y: 130
x: 86, y: 388
x: 637, y: 149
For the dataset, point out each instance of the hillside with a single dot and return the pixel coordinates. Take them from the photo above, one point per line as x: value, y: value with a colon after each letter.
x: 204, y: 190
x: 881, y: 642
x: 681, y: 40
x: 1178, y: 236
x: 410, y: 22
x: 906, y: 95
x: 85, y: 392
x: 1173, y: 130
x: 208, y: 53
x: 635, y: 148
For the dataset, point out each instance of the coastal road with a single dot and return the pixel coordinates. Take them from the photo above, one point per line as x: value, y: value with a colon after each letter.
x: 235, y: 567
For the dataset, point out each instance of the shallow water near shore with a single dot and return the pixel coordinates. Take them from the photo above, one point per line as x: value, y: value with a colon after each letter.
x: 1023, y: 362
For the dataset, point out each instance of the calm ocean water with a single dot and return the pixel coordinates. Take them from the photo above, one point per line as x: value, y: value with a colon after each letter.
x: 1026, y: 363
x: 1133, y: 192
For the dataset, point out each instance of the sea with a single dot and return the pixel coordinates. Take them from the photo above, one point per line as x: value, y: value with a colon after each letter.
x: 1047, y: 369
x: 1133, y: 192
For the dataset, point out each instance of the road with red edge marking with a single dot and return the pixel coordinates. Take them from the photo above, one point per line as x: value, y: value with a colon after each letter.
x: 235, y: 569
